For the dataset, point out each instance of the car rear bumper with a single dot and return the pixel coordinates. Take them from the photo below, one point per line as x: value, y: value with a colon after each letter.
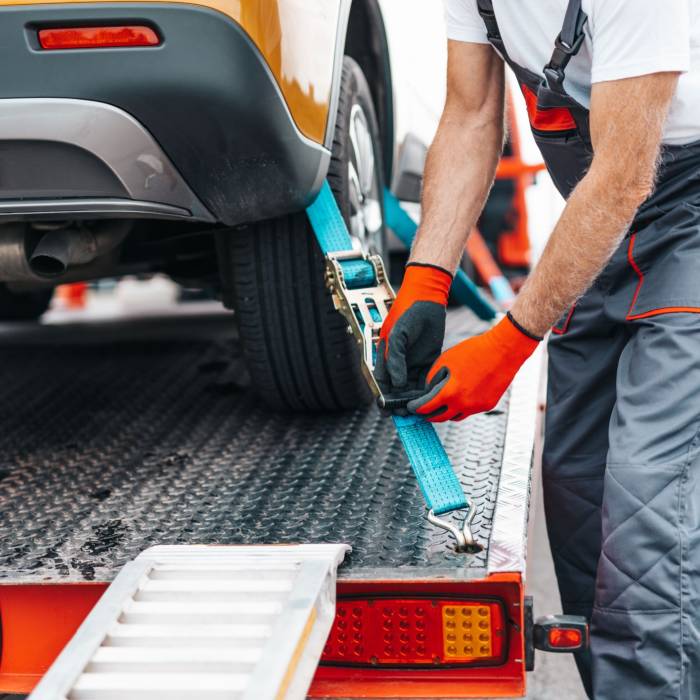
x: 205, y: 98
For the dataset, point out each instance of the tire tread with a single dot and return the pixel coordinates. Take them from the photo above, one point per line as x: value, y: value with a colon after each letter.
x: 298, y: 351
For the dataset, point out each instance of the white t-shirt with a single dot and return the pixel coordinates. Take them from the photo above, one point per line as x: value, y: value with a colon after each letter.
x: 624, y: 39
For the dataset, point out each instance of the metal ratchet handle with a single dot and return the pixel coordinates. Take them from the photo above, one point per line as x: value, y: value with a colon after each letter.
x: 465, y: 542
x: 357, y: 306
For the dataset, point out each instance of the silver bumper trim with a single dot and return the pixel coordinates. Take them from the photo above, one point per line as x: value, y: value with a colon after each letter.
x: 111, y: 135
x: 14, y: 210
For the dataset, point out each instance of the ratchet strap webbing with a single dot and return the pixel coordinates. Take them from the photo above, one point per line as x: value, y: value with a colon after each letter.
x: 431, y: 465
x: 426, y: 454
x: 333, y: 237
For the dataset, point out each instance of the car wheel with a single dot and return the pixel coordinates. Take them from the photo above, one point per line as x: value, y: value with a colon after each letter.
x: 23, y: 306
x: 299, y: 353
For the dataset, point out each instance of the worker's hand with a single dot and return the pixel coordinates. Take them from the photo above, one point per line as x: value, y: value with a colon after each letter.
x: 412, y: 335
x: 472, y: 376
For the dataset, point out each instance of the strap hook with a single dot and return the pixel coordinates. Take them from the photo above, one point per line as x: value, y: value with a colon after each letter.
x: 465, y: 542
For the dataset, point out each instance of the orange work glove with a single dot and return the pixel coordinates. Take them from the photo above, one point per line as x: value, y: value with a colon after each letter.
x: 412, y: 335
x: 472, y: 376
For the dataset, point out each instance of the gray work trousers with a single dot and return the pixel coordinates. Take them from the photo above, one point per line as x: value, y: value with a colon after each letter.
x: 621, y: 464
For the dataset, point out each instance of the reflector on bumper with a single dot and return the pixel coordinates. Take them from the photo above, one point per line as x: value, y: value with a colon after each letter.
x: 97, y: 37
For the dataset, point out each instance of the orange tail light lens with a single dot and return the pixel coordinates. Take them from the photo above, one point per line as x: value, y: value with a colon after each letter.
x: 405, y: 632
x: 97, y: 37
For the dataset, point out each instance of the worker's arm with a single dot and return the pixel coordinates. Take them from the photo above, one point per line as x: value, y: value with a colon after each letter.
x: 627, y: 119
x: 463, y: 158
x: 459, y: 172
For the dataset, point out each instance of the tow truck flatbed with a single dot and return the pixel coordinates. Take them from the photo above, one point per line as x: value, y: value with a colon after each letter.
x: 118, y: 435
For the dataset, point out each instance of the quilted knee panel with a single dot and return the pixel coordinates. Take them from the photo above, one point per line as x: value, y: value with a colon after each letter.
x: 640, y: 564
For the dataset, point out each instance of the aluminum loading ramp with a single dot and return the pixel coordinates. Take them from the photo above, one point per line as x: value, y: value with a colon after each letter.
x: 212, y: 623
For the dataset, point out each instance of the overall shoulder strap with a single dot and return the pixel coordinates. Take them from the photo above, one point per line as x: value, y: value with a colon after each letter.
x: 493, y: 33
x: 567, y: 45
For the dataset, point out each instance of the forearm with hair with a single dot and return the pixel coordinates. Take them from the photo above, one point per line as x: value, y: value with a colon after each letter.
x: 596, y: 219
x: 459, y: 174
x: 627, y: 119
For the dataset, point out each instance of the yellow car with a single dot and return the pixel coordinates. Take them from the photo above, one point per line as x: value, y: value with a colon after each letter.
x: 187, y: 139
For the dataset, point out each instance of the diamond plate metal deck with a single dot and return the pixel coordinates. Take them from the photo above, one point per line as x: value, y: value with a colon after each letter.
x: 119, y: 436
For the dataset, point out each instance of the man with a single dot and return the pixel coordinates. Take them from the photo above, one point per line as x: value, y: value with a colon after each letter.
x: 613, y: 94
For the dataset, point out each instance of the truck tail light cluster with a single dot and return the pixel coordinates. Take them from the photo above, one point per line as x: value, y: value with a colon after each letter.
x: 97, y: 37
x: 417, y: 632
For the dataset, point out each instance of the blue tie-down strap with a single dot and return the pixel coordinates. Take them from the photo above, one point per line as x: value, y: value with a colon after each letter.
x: 431, y: 465
x: 358, y: 274
x: 463, y: 289
x: 333, y: 237
x: 327, y: 222
x: 502, y: 291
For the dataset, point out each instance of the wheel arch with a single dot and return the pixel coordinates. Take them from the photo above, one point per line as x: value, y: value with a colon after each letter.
x: 365, y: 40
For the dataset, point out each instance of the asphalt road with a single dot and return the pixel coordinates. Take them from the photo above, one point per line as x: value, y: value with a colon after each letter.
x: 555, y: 676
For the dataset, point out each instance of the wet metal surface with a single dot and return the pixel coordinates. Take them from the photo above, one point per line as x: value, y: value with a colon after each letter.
x: 120, y: 435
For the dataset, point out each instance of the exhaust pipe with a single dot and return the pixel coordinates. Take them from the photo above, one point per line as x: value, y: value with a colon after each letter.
x: 62, y: 253
x: 57, y: 251
x: 53, y: 254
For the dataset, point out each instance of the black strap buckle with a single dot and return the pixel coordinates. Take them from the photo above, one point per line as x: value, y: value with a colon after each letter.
x: 567, y: 50
x: 563, y: 53
x: 554, y: 77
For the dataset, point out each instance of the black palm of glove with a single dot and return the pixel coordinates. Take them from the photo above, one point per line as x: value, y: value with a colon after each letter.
x: 412, y: 335
x: 415, y: 342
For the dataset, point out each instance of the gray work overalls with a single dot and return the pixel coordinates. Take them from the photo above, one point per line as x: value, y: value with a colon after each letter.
x: 621, y: 464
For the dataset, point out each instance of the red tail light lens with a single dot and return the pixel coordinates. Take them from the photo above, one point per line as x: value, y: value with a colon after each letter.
x: 565, y: 638
x: 97, y: 37
x: 402, y: 632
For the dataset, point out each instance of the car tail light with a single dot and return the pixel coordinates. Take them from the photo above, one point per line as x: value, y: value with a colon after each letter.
x: 404, y: 632
x: 97, y: 37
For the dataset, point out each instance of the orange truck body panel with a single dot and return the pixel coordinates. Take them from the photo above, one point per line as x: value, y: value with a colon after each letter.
x: 39, y: 620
